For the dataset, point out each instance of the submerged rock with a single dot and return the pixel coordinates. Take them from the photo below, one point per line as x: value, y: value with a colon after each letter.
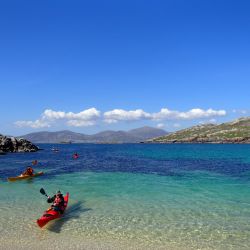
x: 13, y: 144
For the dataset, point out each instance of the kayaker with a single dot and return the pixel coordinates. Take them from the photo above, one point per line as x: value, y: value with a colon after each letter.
x: 75, y: 155
x: 34, y: 162
x: 58, y: 202
x: 29, y: 171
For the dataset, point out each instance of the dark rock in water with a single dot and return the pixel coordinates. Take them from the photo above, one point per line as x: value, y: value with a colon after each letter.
x: 12, y: 144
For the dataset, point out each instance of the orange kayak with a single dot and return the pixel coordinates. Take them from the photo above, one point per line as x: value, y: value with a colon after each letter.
x: 23, y: 177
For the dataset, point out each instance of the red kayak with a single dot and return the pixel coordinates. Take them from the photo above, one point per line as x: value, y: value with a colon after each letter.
x: 51, y: 214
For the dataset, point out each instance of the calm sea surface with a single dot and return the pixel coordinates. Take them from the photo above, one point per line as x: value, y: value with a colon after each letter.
x: 130, y: 196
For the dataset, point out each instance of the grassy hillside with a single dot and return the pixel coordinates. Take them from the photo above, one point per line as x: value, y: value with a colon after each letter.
x: 237, y: 131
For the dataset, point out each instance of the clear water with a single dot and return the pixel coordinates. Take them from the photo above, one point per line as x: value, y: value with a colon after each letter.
x: 130, y: 196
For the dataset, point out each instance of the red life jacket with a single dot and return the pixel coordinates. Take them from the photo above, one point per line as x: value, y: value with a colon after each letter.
x: 30, y: 171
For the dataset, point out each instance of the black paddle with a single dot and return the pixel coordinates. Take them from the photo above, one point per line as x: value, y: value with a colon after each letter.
x: 42, y: 191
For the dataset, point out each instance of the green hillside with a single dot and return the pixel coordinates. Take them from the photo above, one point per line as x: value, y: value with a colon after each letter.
x: 237, y: 131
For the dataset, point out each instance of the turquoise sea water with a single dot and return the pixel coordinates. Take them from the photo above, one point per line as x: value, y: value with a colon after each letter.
x: 130, y: 196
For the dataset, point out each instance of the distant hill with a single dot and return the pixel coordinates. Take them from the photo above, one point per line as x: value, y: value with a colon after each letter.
x: 55, y: 137
x: 131, y: 136
x: 237, y: 131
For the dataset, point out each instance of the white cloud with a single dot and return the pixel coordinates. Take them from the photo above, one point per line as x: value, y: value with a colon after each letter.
x: 85, y: 115
x: 123, y: 115
x: 176, y: 125
x: 166, y: 114
x: 90, y: 117
x: 240, y: 111
x: 80, y: 123
x: 212, y: 121
x: 84, y: 118
x: 160, y: 125
x: 33, y: 124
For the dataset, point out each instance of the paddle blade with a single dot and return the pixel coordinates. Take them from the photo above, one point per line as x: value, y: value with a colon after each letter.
x: 42, y: 191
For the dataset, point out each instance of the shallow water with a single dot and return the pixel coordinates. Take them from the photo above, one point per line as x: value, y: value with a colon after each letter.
x: 130, y: 196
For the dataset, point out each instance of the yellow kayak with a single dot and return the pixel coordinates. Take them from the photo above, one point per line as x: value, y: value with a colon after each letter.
x: 22, y: 177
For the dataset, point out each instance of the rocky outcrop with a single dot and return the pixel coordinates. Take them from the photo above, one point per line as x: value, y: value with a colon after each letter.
x: 12, y: 144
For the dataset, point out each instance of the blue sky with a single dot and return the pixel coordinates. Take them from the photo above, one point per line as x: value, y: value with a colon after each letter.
x: 122, y: 64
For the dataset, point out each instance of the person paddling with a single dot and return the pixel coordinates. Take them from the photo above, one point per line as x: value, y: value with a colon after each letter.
x: 75, y: 155
x: 35, y: 162
x: 29, y: 171
x: 58, y: 202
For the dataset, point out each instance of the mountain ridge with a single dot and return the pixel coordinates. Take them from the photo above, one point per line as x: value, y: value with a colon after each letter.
x: 107, y: 136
